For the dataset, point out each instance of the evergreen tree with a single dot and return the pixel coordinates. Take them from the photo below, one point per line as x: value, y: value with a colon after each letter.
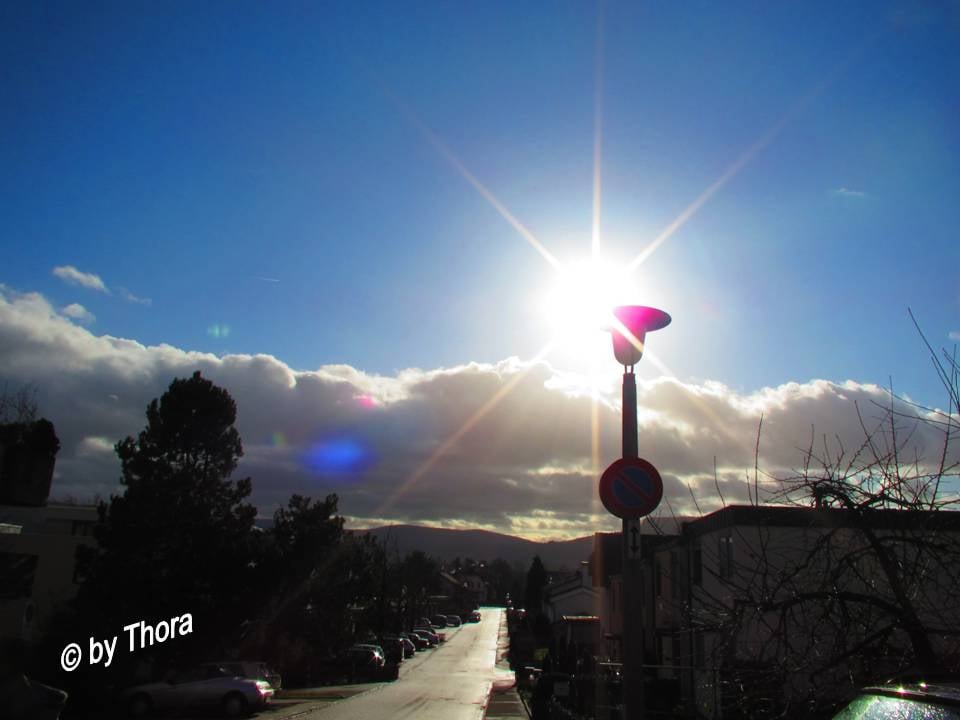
x: 536, y: 579
x: 179, y: 539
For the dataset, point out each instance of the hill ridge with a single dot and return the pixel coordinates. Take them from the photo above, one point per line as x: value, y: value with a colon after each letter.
x: 445, y: 544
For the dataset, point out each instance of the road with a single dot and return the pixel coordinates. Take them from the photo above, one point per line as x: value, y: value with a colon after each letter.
x: 451, y: 682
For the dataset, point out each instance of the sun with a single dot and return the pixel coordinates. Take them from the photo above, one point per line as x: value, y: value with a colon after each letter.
x: 579, y: 305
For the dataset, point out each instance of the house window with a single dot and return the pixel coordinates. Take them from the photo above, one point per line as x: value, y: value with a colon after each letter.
x: 725, y: 565
x: 658, y: 579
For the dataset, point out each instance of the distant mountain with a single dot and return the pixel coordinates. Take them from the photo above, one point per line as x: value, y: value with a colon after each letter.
x: 446, y: 544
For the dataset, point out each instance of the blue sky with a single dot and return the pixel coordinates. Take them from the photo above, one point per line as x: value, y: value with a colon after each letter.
x: 275, y: 170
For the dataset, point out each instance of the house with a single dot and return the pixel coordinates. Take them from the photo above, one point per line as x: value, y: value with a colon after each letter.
x: 464, y: 591
x: 607, y: 580
x: 42, y: 562
x: 571, y: 606
x: 743, y: 598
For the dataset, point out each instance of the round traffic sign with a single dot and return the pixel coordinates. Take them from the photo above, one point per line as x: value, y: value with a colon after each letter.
x: 631, y: 488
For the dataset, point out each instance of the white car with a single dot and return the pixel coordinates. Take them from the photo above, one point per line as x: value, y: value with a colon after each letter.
x: 201, y: 688
x: 250, y: 669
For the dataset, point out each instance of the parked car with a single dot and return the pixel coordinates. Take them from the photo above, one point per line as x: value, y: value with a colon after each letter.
x: 453, y: 620
x: 439, y: 621
x: 199, y: 688
x: 428, y: 632
x: 908, y: 701
x: 409, y: 649
x: 366, y: 655
x: 250, y: 669
x: 364, y: 661
x: 421, y: 641
x: 392, y: 648
x: 475, y: 616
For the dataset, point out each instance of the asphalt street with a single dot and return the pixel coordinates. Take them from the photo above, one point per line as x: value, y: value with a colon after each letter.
x: 451, y: 682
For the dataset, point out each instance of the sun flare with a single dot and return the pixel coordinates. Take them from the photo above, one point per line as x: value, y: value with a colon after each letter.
x: 579, y: 306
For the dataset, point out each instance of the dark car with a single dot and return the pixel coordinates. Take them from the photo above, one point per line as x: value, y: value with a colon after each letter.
x: 908, y: 701
x: 366, y: 656
x: 453, y: 620
x: 475, y: 616
x: 392, y: 648
x: 428, y: 634
x: 422, y: 642
x: 439, y: 621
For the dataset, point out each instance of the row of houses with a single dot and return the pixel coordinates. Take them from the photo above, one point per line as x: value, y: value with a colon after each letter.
x: 779, y: 601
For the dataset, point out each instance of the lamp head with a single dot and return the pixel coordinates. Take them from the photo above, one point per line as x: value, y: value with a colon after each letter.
x: 637, y: 320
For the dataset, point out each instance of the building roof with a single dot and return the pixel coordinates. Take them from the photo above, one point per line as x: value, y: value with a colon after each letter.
x: 795, y: 516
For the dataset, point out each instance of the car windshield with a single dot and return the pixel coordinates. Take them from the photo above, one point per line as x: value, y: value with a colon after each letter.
x: 882, y: 707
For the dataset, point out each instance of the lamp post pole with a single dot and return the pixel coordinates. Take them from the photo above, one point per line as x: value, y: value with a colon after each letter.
x: 630, y: 489
x: 632, y: 678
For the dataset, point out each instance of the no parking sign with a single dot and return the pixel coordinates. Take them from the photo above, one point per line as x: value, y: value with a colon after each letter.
x: 631, y: 488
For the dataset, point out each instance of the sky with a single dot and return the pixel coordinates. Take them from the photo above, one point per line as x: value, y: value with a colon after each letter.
x: 387, y: 230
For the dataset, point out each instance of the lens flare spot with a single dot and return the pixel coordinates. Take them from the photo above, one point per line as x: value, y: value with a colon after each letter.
x: 366, y: 401
x: 339, y: 456
x: 218, y: 331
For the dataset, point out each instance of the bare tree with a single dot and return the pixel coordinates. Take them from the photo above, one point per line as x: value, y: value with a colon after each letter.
x: 851, y: 579
x: 18, y: 406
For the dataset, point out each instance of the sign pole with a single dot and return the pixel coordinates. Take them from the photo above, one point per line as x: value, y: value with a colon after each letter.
x: 632, y: 602
x: 631, y: 488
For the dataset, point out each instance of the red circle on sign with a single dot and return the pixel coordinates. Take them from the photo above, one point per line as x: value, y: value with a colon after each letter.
x: 631, y: 488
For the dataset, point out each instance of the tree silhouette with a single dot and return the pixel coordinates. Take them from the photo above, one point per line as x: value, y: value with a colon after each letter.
x: 28, y: 449
x: 304, y: 533
x: 536, y: 579
x: 178, y: 540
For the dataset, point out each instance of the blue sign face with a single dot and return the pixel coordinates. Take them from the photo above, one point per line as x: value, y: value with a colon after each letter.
x: 634, y: 486
x: 631, y: 488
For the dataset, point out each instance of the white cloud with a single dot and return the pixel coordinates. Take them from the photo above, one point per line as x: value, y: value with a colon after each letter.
x: 383, y: 443
x: 69, y: 274
x: 94, y: 445
x: 954, y: 335
x: 79, y: 313
x: 847, y: 192
x: 130, y: 297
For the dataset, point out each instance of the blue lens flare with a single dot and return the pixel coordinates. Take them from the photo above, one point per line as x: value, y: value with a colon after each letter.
x: 342, y: 456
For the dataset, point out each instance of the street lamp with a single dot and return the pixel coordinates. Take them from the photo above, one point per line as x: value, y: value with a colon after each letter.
x: 630, y: 489
x: 633, y: 322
